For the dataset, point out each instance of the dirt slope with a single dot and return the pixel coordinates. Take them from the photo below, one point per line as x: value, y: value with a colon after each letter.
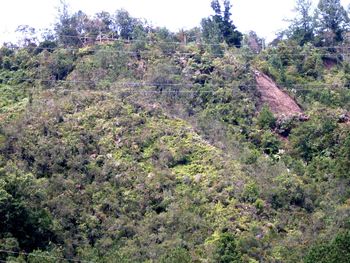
x: 280, y: 103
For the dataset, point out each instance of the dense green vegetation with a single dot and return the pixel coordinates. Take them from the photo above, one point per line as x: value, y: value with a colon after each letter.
x: 120, y: 142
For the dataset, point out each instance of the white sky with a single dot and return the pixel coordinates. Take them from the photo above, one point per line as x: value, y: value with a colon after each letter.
x: 263, y: 16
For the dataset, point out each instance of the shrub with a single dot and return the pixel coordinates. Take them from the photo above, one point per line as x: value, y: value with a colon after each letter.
x: 250, y: 193
x: 266, y: 120
x: 336, y: 251
x: 269, y: 143
x: 226, y: 250
x: 343, y: 160
x: 176, y: 255
x: 259, y: 205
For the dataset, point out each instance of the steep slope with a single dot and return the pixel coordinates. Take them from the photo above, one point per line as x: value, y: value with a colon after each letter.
x: 165, y: 162
x: 121, y: 178
x: 279, y: 102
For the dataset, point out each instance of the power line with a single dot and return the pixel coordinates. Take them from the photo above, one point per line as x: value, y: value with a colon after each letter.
x: 136, y: 53
x: 128, y: 41
x: 293, y: 89
x: 143, y: 84
x: 301, y: 53
x: 173, y: 53
x: 200, y: 43
x: 140, y: 52
x: 157, y: 41
x: 197, y: 40
x: 127, y: 84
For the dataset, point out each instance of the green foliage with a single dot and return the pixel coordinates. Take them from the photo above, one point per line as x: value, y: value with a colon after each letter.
x: 78, y: 29
x: 343, y: 158
x: 333, y: 18
x: 259, y: 205
x: 144, y: 151
x: 176, y: 255
x: 213, y: 36
x: 269, y: 143
x: 21, y: 215
x: 250, y: 192
x: 67, y: 27
x: 335, y: 251
x: 56, y: 65
x: 250, y: 156
x: 315, y: 138
x: 302, y: 27
x: 226, y: 250
x: 289, y: 192
x: 125, y: 25
x: 219, y: 27
x: 266, y: 119
x: 39, y: 256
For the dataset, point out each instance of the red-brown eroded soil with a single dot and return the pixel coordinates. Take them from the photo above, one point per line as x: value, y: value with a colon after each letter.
x: 279, y: 102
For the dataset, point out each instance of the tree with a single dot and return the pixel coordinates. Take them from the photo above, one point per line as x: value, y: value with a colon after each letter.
x: 212, y: 35
x: 302, y: 27
x: 106, y: 23
x: 22, y: 216
x: 79, y: 29
x: 28, y: 35
x: 231, y: 35
x: 220, y: 27
x: 125, y: 24
x: 66, y: 27
x: 314, y: 138
x: 332, y: 21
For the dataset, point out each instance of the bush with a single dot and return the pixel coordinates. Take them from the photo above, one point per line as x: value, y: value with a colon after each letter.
x: 266, y: 120
x: 177, y: 255
x: 316, y: 137
x: 226, y: 250
x: 259, y: 205
x: 336, y: 251
x: 289, y: 191
x: 250, y: 193
x: 284, y: 126
x: 269, y: 143
x: 343, y: 160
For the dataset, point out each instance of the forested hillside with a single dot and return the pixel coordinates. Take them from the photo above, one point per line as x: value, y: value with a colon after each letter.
x: 122, y: 142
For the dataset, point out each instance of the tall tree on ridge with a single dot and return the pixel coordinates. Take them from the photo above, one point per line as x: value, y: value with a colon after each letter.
x: 66, y: 28
x: 220, y: 27
x: 302, y: 27
x: 332, y: 20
